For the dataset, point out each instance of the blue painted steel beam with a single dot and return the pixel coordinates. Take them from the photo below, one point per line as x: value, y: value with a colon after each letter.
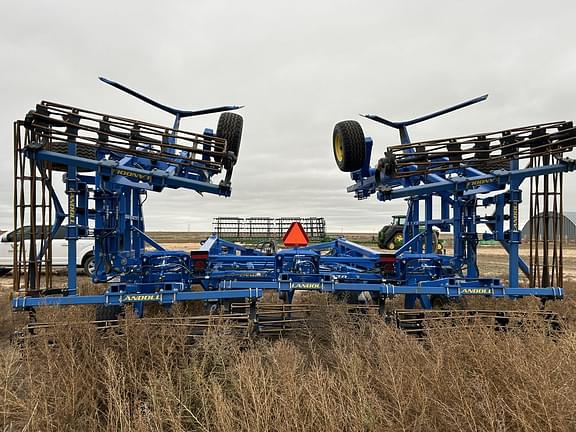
x: 166, y: 297
x: 500, y: 178
x: 469, y: 288
x: 153, y: 177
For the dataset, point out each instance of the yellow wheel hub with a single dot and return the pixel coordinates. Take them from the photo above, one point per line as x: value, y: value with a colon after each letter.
x: 338, y: 148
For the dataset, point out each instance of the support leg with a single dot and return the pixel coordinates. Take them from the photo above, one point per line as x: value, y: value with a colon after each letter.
x: 410, y: 301
x: 139, y: 309
x: 382, y: 305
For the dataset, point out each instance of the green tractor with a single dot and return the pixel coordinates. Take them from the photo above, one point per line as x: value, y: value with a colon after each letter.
x: 391, y: 236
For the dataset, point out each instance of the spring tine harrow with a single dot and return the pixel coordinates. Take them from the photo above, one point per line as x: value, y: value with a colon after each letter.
x: 421, y: 322
x: 487, y: 152
x: 274, y: 321
x: 52, y: 123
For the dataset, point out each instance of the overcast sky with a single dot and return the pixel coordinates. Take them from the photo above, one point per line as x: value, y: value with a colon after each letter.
x: 298, y: 67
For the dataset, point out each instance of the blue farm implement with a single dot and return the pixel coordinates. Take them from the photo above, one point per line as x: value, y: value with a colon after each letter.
x: 109, y: 166
x: 111, y: 163
x: 447, y: 183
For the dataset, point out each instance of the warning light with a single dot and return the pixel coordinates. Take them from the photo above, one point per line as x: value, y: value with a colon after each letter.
x: 295, y: 236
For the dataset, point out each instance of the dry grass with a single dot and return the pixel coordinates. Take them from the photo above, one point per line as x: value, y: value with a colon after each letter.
x: 344, y: 375
x: 341, y: 375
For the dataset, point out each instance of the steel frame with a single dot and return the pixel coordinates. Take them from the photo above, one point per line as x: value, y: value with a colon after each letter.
x: 123, y: 174
x: 129, y: 159
x: 424, y: 175
x: 486, y: 172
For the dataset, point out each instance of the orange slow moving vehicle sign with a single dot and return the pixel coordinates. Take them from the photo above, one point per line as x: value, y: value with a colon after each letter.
x: 295, y: 236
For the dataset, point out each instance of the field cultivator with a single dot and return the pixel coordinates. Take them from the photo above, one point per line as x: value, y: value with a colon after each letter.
x: 458, y: 185
x: 111, y: 163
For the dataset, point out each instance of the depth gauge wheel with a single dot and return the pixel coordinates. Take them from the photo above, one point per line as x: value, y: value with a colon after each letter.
x: 348, y: 145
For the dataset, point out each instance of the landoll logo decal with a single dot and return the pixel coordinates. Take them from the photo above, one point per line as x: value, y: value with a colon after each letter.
x: 306, y: 285
x: 140, y: 297
x: 479, y: 291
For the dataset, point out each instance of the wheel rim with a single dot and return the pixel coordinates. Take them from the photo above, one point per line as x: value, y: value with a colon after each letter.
x: 338, y: 148
x: 91, y: 266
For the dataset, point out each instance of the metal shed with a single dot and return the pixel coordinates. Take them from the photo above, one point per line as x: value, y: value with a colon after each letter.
x: 568, y: 227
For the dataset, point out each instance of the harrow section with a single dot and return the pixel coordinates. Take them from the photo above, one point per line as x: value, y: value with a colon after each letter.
x: 54, y: 125
x: 275, y: 320
x: 422, y: 322
x: 191, y: 328
x: 486, y: 152
x: 271, y: 321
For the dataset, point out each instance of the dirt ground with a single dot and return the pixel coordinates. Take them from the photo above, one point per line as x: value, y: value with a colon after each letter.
x: 494, y: 259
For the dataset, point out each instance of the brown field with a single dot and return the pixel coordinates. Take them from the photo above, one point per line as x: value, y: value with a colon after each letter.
x: 345, y: 374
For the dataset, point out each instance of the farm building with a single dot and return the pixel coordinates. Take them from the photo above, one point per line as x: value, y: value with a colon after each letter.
x: 568, y: 226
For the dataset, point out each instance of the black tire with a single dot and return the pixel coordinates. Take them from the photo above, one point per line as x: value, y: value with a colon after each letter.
x: 107, y: 312
x: 397, y: 238
x: 348, y: 145
x: 82, y: 150
x: 230, y: 128
x: 88, y: 264
x: 4, y: 270
x: 387, y: 236
x: 440, y: 248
